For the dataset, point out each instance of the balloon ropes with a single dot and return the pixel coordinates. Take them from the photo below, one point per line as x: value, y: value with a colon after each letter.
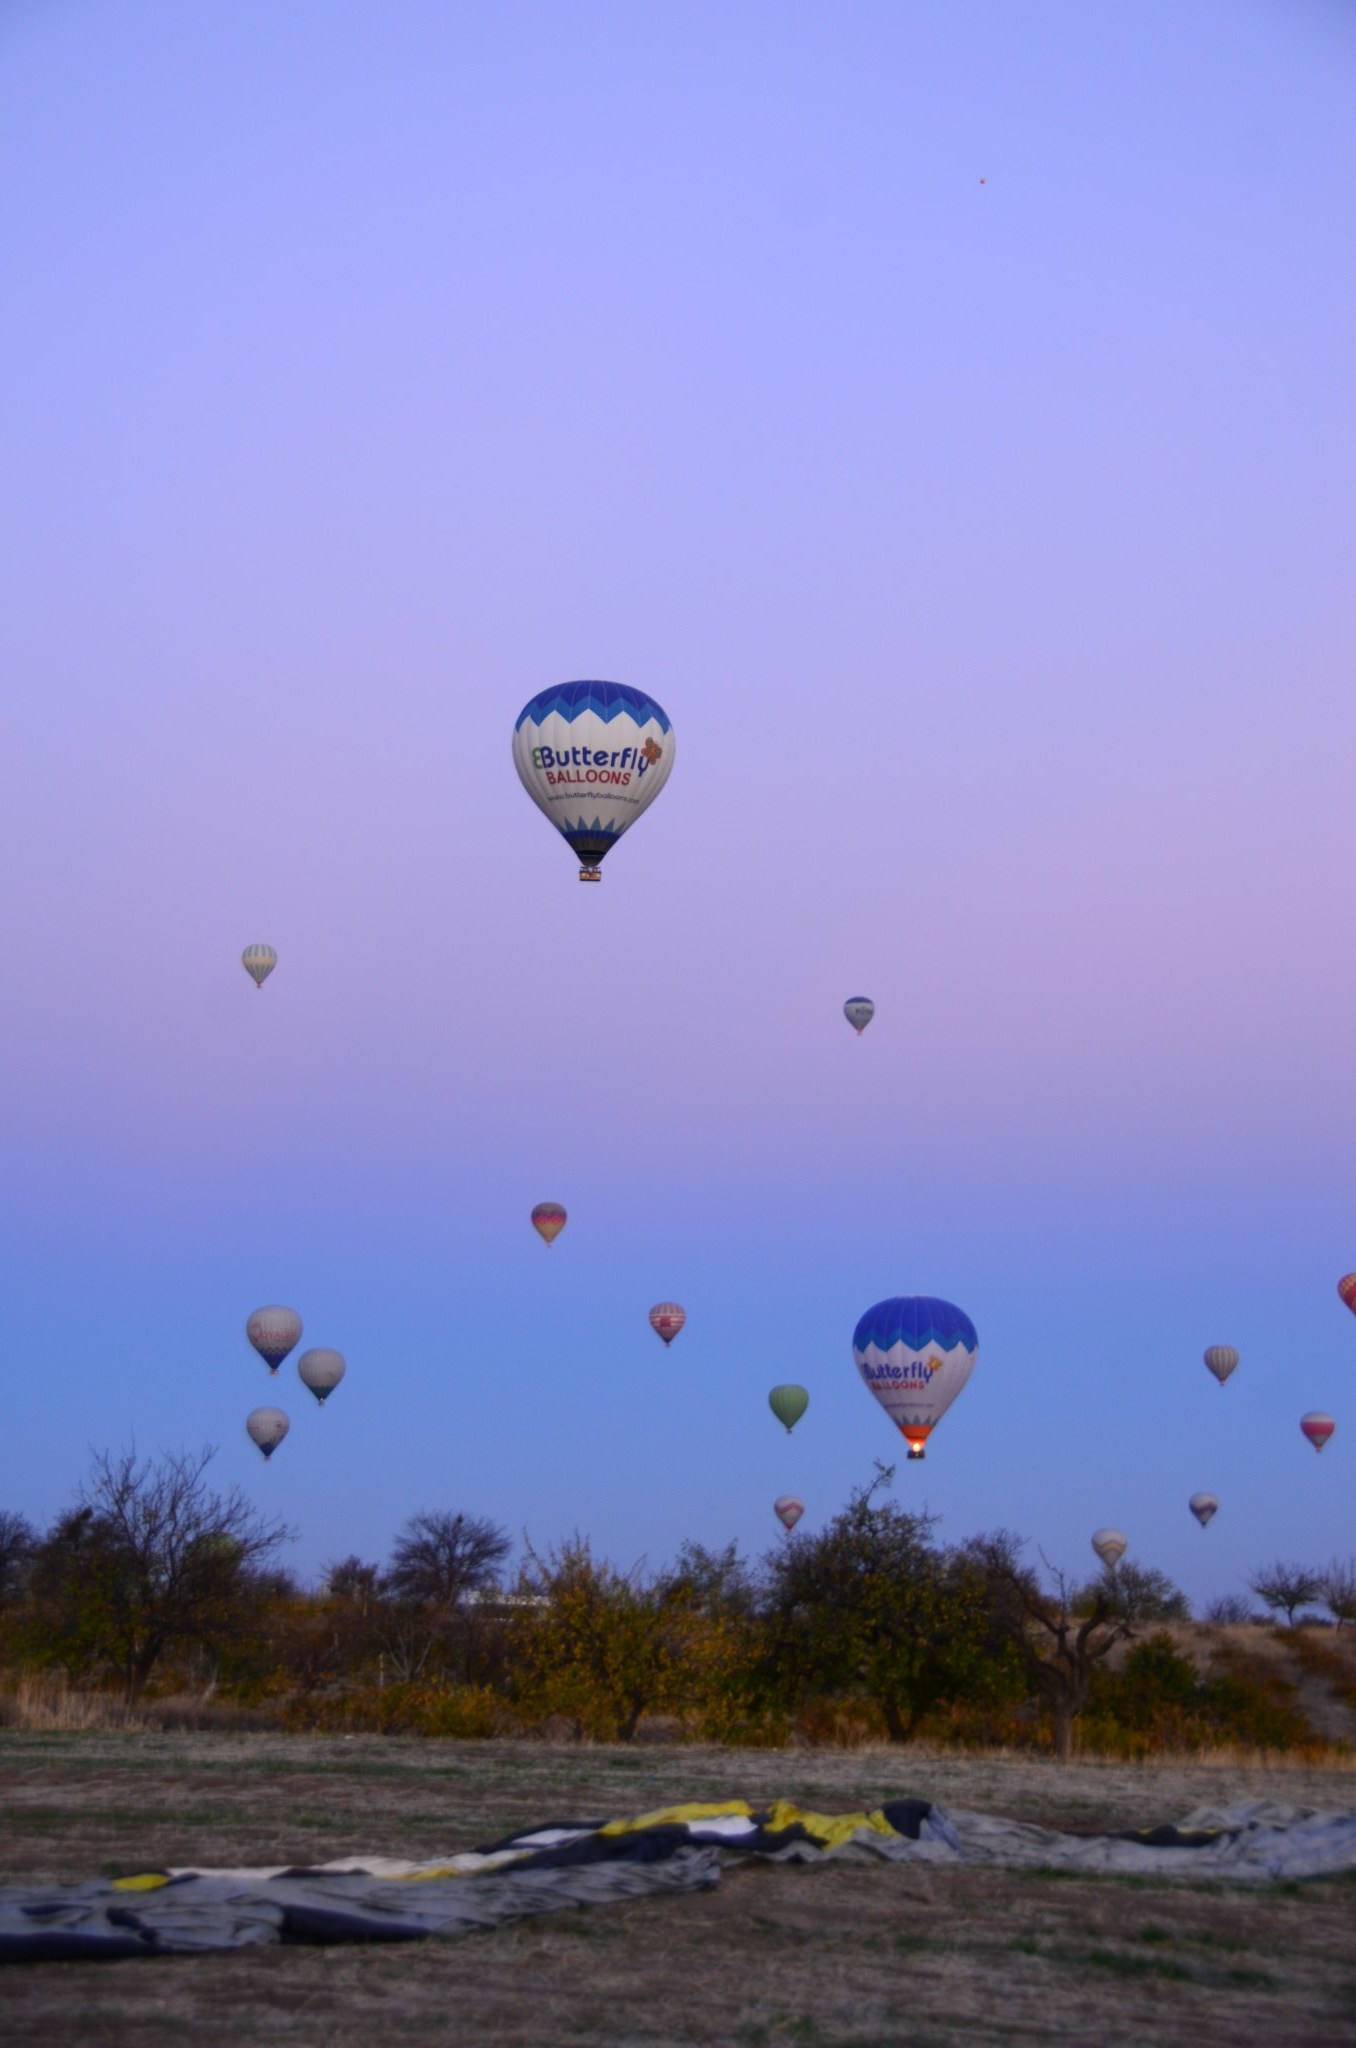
x: 788, y: 1404
x: 1109, y: 1545
x: 548, y: 1220
x: 592, y: 756
x: 258, y: 962
x: 1221, y: 1360
x: 859, y: 1010
x: 915, y: 1353
x: 667, y: 1319
x: 273, y: 1332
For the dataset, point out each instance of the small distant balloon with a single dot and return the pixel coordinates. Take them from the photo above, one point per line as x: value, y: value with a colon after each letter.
x: 1204, y: 1507
x: 321, y: 1370
x: 788, y: 1404
x: 273, y: 1332
x: 667, y: 1319
x: 1109, y: 1545
x: 1346, y: 1287
x: 548, y: 1220
x: 267, y: 1428
x: 788, y: 1510
x: 859, y: 1010
x: 1317, y: 1427
x: 1221, y: 1360
x: 258, y: 962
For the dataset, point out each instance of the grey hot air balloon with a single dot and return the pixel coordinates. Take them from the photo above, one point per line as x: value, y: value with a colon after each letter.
x: 321, y: 1370
x: 1204, y: 1507
x: 267, y: 1428
x: 258, y: 962
x: 1109, y: 1545
x: 859, y: 1010
x: 273, y: 1331
x: 1221, y: 1359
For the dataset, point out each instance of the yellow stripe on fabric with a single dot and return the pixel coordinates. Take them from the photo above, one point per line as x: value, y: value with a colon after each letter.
x: 828, y: 1828
x: 672, y: 1815
x: 150, y: 1883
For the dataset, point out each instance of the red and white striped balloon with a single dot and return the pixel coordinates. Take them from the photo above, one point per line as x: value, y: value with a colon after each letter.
x: 788, y: 1510
x: 1317, y: 1427
x: 667, y: 1319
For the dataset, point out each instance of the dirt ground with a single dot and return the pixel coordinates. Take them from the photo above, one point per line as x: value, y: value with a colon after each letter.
x: 848, y: 1956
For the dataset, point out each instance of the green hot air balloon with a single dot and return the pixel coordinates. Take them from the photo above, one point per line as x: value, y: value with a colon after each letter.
x: 788, y: 1404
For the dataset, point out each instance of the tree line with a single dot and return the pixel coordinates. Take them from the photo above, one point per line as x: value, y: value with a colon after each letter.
x: 155, y: 1580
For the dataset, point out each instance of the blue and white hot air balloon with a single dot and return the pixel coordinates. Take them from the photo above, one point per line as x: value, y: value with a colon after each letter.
x: 915, y: 1353
x: 592, y: 756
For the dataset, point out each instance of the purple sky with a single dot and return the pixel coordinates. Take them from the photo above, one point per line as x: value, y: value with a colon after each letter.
x: 946, y: 413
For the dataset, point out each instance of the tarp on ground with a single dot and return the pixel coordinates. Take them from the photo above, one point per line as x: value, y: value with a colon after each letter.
x: 187, y: 1911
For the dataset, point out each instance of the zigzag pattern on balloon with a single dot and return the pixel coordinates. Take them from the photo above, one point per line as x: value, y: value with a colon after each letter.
x: 916, y: 1321
x: 597, y: 830
x: 608, y: 700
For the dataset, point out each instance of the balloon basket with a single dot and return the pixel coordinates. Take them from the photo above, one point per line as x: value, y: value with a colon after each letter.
x: 590, y: 874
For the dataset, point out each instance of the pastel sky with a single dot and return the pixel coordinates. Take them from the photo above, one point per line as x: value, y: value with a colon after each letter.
x: 945, y: 411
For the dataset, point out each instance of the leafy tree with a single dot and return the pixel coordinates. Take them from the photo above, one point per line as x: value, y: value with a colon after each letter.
x: 869, y: 1605
x: 598, y: 1646
x: 1141, y: 1591
x: 151, y: 1560
x: 1286, y: 1588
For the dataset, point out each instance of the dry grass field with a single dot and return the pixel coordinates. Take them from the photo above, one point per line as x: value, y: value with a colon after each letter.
x: 849, y: 1956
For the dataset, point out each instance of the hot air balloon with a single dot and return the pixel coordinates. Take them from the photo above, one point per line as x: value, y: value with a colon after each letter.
x: 1221, y: 1359
x: 592, y: 756
x: 915, y: 1353
x: 1109, y: 1545
x: 1204, y: 1507
x: 273, y: 1332
x: 1317, y: 1427
x: 788, y: 1404
x: 267, y: 1428
x: 788, y: 1510
x: 258, y: 962
x: 548, y: 1220
x: 667, y: 1319
x: 321, y: 1370
x: 1346, y: 1287
x: 859, y: 1010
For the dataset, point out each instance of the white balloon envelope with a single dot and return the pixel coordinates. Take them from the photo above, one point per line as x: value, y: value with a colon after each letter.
x: 273, y: 1332
x: 321, y: 1370
x: 267, y: 1428
x: 859, y: 1010
x: 1204, y: 1507
x: 1109, y: 1544
x: 788, y: 1510
x: 592, y: 756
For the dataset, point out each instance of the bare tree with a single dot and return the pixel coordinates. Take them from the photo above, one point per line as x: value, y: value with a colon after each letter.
x: 439, y: 1559
x: 1338, y: 1590
x: 18, y: 1548
x: 1286, y: 1588
x: 152, y: 1559
x: 1059, y: 1647
x: 1228, y: 1610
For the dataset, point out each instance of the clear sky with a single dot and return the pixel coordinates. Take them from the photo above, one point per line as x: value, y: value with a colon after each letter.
x: 945, y: 410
